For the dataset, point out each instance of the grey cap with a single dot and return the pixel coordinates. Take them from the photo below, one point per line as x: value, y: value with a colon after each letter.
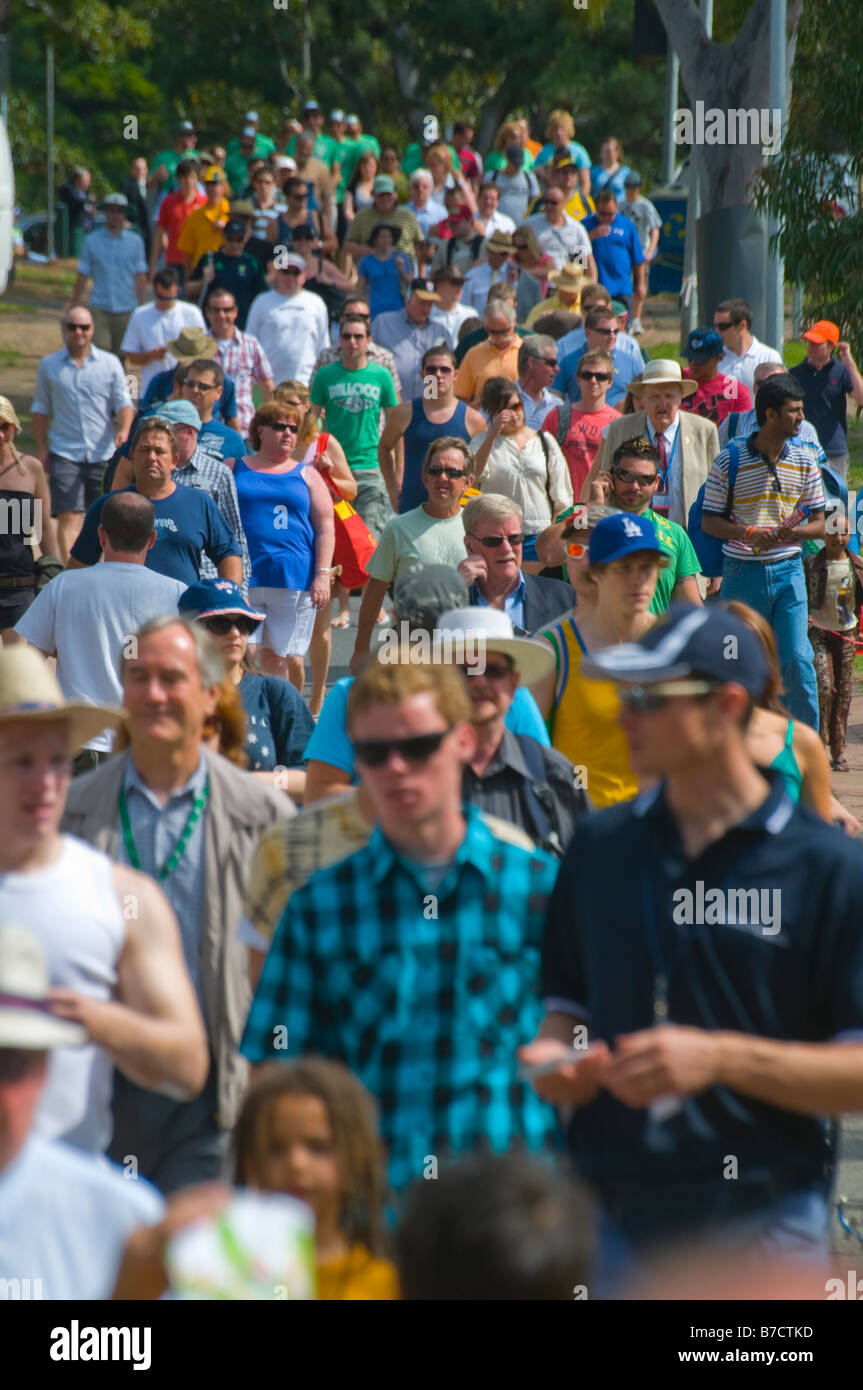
x: 115, y: 200
x: 425, y: 591
x: 632, y: 180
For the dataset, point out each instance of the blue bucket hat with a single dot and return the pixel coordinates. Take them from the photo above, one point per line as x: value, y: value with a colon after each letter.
x: 624, y: 534
x: 216, y: 598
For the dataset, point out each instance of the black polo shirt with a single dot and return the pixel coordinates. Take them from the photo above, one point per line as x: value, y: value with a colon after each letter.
x: 625, y: 872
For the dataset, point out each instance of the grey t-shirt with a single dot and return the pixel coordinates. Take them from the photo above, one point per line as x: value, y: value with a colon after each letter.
x: 645, y: 217
x: 517, y: 192
x: 86, y: 616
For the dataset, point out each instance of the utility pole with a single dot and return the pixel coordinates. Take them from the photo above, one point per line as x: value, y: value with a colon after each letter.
x: 775, y: 287
x: 307, y: 50
x: 689, y: 316
x: 49, y: 141
x: 672, y: 77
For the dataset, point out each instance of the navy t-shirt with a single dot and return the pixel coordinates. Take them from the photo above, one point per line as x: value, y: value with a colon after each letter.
x: 795, y: 974
x: 278, y: 723
x: 188, y: 524
x: 825, y: 402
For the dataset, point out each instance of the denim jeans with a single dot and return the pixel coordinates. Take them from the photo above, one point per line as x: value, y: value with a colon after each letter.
x: 777, y: 590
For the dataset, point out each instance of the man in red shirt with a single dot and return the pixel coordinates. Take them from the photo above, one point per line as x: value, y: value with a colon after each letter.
x: 587, y: 420
x: 717, y: 395
x: 172, y: 214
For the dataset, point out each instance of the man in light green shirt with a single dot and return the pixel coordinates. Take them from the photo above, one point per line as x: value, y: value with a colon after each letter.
x: 430, y: 534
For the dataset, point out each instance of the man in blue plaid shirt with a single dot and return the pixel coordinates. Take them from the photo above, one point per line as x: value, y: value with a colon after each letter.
x: 416, y: 960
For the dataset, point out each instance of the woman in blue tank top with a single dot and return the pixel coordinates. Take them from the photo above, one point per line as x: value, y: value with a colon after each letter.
x: 287, y: 515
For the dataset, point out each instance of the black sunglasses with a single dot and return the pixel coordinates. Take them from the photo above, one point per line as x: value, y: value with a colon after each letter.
x: 280, y: 428
x: 437, y: 470
x: 492, y: 542
x: 722, y: 326
x: 414, y: 750
x: 220, y: 627
x: 594, y: 376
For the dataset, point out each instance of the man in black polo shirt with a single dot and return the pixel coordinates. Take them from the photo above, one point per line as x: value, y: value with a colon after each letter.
x: 827, y: 381
x: 705, y: 941
x: 230, y: 268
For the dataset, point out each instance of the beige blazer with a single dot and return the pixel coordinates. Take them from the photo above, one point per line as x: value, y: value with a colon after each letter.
x: 699, y: 445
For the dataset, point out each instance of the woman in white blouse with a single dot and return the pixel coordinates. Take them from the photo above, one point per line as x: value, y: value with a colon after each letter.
x: 526, y: 465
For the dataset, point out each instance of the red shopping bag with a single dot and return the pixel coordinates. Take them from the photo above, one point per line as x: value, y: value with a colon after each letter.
x: 355, y: 543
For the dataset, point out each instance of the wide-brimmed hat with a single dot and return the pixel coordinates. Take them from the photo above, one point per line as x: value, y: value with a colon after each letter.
x: 662, y: 371
x: 569, y: 277
x: 500, y: 242
x: 8, y: 414
x: 491, y: 630
x: 27, y: 1022
x: 29, y: 691
x: 192, y: 343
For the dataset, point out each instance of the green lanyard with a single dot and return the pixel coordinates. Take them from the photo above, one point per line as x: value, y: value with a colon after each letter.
x: 180, y: 847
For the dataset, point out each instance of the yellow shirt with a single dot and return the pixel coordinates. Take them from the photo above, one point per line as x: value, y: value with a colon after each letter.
x: 584, y: 722
x: 482, y: 362
x: 579, y: 206
x: 198, y: 235
x: 357, y: 1277
x: 547, y: 306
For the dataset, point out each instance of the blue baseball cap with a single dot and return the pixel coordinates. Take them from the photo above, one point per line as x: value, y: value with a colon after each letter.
x: 707, y: 642
x: 212, y: 598
x: 702, y: 344
x: 624, y: 534
x: 178, y: 413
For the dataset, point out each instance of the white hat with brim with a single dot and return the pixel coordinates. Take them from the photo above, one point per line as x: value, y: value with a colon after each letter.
x: 27, y: 1022
x: 29, y: 692
x: 485, y: 630
x: 663, y: 372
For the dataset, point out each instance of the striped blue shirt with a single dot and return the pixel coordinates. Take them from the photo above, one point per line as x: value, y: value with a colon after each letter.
x: 424, y: 989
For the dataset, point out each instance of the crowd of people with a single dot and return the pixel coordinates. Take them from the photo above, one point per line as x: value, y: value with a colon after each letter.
x: 493, y: 951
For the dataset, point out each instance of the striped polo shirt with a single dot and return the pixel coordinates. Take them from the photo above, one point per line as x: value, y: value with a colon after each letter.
x: 758, y: 500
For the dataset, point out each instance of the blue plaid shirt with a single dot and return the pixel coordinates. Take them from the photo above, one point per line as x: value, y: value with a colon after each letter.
x: 424, y: 996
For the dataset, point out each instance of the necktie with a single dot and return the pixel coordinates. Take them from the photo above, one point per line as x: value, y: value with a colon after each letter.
x: 660, y: 499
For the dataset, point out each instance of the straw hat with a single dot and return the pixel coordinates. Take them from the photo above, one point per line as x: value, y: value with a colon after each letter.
x: 26, y: 1020
x: 500, y: 242
x: 192, y: 343
x: 663, y: 372
x: 29, y: 691
x: 570, y: 277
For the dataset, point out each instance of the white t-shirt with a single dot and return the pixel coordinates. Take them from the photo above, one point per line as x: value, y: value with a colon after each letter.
x: 743, y: 366
x: 85, y: 616
x: 452, y: 320
x: 498, y: 222
x: 478, y: 282
x: 148, y: 329
x: 65, y: 1217
x: 293, y: 330
x: 567, y: 243
x: 73, y: 909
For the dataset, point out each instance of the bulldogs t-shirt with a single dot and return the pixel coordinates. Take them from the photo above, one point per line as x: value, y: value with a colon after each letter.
x: 353, y: 403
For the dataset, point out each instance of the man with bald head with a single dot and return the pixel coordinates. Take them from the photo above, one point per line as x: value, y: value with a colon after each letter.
x: 84, y: 616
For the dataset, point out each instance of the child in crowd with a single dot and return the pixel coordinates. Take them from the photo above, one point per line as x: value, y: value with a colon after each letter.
x: 384, y: 272
x: 308, y: 1129
x: 834, y: 584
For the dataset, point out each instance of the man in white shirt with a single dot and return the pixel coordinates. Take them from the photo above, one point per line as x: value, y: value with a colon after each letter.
x: 84, y: 616
x: 290, y: 322
x: 450, y: 313
x: 743, y: 352
x: 489, y: 219
x: 562, y: 237
x: 537, y: 368
x: 153, y: 325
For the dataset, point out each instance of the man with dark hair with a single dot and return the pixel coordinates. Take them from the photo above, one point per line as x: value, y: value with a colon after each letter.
x: 742, y: 351
x: 620, y: 263
x: 600, y: 332
x: 495, y: 1227
x: 777, y: 476
x: 231, y: 269
x: 203, y: 385
x: 84, y: 616
x: 153, y: 325
x: 173, y: 212
x: 357, y: 306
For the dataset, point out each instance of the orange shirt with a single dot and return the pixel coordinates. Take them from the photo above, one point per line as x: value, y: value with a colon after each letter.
x: 484, y: 360
x: 357, y: 1276
x: 198, y: 235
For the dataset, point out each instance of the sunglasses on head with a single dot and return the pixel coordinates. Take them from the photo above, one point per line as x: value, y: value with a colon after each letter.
x: 626, y: 476
x: 414, y: 750
x: 437, y: 470
x: 283, y: 425
x: 594, y: 376
x: 648, y: 699
x: 493, y: 542
x: 220, y: 627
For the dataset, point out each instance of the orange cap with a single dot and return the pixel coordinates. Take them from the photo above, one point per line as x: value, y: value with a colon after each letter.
x: 822, y: 332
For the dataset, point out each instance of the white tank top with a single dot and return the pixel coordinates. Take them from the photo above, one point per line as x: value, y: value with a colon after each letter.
x: 73, y: 908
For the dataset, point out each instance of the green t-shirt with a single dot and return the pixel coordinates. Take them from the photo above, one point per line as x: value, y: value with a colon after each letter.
x: 415, y: 154
x: 497, y: 160
x: 322, y: 149
x: 684, y: 561
x: 170, y: 159
x: 340, y: 153
x: 358, y: 147
x: 235, y: 161
x: 353, y: 402
x: 417, y: 538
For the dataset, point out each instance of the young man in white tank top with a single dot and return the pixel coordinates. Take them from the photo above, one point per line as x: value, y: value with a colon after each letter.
x: 110, y: 939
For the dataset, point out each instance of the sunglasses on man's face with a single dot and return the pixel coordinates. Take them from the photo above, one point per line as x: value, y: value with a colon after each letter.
x: 650, y: 699
x: 221, y: 627
x: 493, y: 670
x: 594, y: 376
x: 437, y: 470
x: 414, y: 750
x: 627, y: 476
x: 726, y: 323
x: 193, y: 384
x: 439, y: 371
x: 492, y: 542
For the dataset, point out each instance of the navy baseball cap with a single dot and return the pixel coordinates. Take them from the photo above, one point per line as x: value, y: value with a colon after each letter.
x: 707, y: 642
x: 632, y: 180
x: 702, y: 344
x: 623, y: 534
x: 214, y: 598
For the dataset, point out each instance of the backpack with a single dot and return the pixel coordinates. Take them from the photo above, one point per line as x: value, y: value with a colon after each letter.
x: 564, y: 419
x: 540, y: 798
x: 475, y: 247
x: 709, y: 548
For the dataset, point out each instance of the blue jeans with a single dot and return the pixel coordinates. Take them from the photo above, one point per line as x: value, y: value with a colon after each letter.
x: 777, y: 590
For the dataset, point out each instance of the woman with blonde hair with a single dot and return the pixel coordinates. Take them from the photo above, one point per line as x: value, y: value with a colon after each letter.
x: 560, y: 135
x: 324, y: 452
x: 446, y: 175
x: 25, y: 495
x: 610, y: 172
x: 508, y: 133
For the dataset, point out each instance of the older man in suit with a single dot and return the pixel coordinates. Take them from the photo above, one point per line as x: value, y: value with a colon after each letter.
x: 494, y: 533
x: 687, y: 444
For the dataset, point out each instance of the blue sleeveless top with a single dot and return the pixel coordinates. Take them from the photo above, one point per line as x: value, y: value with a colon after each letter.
x: 275, y: 509
x: 419, y: 434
